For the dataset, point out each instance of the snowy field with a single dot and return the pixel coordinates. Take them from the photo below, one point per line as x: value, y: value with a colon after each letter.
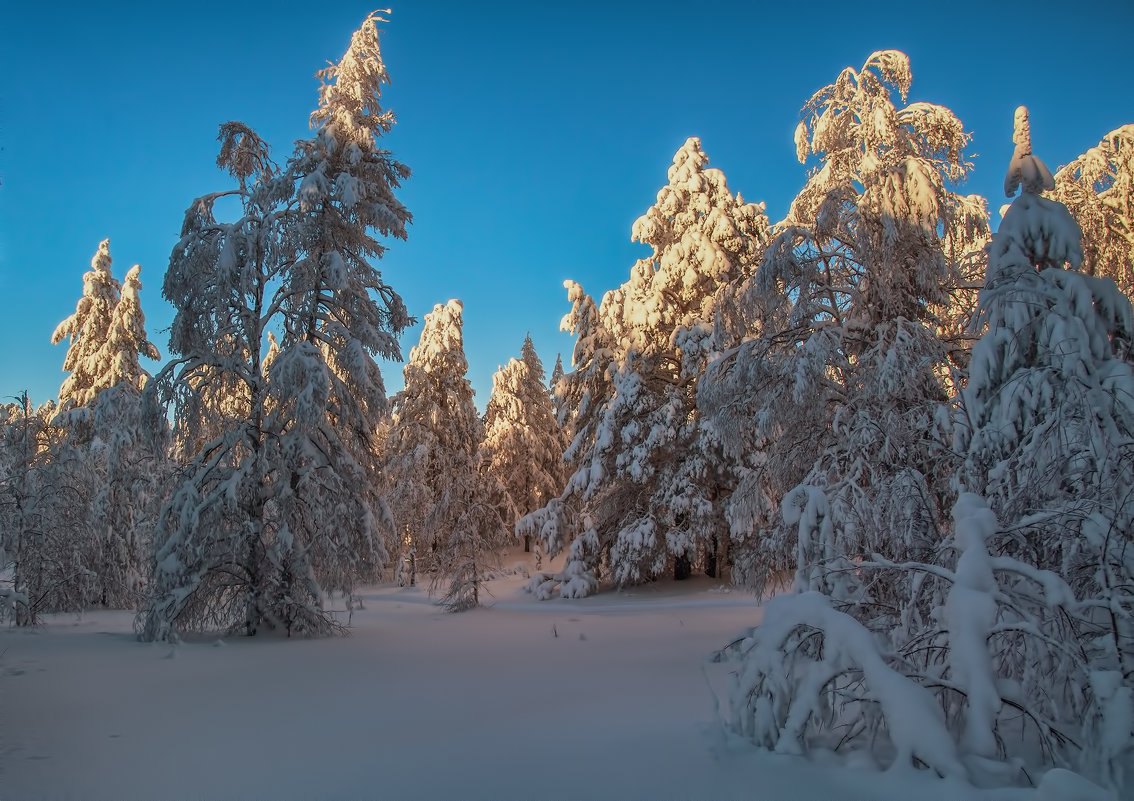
x: 608, y: 697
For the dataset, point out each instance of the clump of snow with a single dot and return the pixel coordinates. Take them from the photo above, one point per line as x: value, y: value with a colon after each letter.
x: 803, y: 648
x: 970, y: 613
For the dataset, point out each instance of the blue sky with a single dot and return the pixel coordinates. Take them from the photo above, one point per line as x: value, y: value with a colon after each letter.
x: 537, y: 133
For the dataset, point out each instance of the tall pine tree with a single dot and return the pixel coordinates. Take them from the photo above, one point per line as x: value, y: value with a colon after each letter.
x: 523, y: 442
x: 642, y: 497
x: 94, y: 360
x: 443, y: 515
x: 280, y: 506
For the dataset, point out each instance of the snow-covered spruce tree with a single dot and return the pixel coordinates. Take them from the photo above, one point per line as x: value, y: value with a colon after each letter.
x: 581, y: 394
x: 434, y: 434
x: 553, y: 383
x: 468, y: 554
x: 643, y: 494
x: 1098, y: 189
x: 523, y: 442
x: 103, y: 438
x: 443, y: 518
x: 86, y: 330
x: 280, y: 507
x: 1005, y: 651
x: 106, y: 334
x: 832, y: 400
x: 1046, y: 424
x: 126, y: 338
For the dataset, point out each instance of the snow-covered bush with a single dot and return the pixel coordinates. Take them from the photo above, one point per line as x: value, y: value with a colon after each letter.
x: 986, y: 683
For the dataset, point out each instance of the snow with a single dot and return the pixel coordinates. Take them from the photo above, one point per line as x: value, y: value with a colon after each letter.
x: 970, y: 613
x: 1026, y: 171
x: 610, y: 696
x: 915, y: 723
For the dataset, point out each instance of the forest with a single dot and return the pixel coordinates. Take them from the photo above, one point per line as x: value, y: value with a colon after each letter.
x: 910, y: 436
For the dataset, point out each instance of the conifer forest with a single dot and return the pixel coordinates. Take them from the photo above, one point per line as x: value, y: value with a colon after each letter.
x: 894, y: 429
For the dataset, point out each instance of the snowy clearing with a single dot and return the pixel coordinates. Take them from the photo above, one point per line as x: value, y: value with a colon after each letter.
x: 605, y: 697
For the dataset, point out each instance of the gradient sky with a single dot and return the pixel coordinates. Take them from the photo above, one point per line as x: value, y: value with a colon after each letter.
x: 537, y: 133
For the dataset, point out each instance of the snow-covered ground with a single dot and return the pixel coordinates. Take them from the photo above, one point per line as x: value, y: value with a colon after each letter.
x: 606, y: 697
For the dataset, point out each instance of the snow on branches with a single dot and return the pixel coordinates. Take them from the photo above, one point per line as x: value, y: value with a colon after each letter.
x: 448, y: 520
x: 1098, y: 189
x: 106, y: 334
x: 1010, y: 634
x: 523, y: 440
x: 280, y: 503
x: 641, y: 497
x: 834, y: 379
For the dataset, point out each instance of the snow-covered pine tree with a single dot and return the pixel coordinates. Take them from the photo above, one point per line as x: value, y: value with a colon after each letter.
x: 1098, y: 189
x: 643, y: 495
x: 126, y: 338
x: 1046, y: 423
x: 581, y: 395
x: 130, y: 459
x: 836, y: 391
x: 107, y: 338
x: 280, y: 507
x: 86, y: 330
x: 346, y: 184
x: 523, y: 441
x: 584, y: 390
x: 431, y: 463
x: 556, y: 376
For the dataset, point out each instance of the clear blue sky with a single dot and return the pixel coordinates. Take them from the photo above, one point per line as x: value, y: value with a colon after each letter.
x: 537, y: 132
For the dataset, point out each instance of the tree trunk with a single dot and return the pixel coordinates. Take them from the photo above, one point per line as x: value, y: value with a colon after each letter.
x: 711, y: 558
x: 682, y: 567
